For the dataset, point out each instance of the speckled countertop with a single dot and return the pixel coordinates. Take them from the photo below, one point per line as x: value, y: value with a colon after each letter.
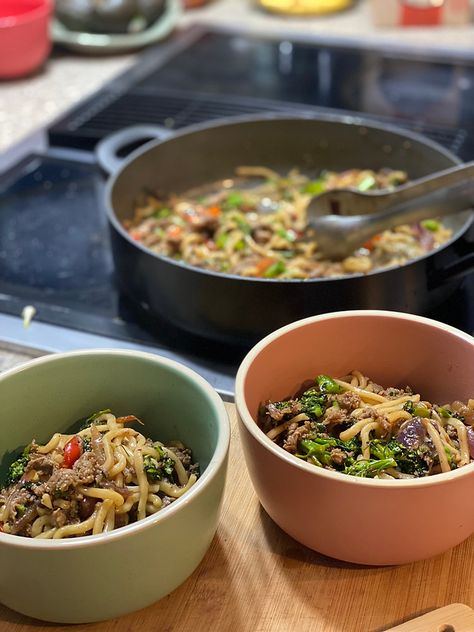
x: 68, y: 77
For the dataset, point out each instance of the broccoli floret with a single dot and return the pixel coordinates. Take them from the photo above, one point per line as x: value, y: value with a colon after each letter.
x: 319, y: 450
x: 152, y: 468
x: 444, y: 412
x: 370, y: 468
x: 166, y: 462
x: 155, y: 468
x: 407, y: 461
x: 328, y: 385
x: 313, y: 403
x: 417, y: 409
x: 16, y: 469
x: 282, y: 405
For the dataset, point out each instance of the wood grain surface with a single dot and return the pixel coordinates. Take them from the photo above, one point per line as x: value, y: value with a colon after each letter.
x: 255, y: 578
x: 454, y: 618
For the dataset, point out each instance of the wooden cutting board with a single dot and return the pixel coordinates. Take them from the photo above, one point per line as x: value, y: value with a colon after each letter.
x: 453, y: 618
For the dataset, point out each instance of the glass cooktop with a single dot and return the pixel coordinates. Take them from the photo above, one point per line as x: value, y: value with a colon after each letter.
x: 54, y: 248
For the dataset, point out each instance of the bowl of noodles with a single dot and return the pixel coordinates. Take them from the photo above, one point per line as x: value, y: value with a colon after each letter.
x: 112, y: 471
x: 358, y: 433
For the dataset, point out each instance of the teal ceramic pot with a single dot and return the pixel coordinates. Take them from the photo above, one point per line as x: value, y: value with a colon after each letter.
x: 98, y: 577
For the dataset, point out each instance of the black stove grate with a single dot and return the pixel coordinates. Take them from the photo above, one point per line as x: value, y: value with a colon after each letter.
x: 218, y: 76
x: 173, y: 110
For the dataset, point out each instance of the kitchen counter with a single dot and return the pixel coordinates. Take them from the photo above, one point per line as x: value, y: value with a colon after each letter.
x: 255, y: 578
x: 30, y: 103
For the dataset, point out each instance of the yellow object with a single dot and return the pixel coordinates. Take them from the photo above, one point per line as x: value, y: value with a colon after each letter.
x: 305, y: 7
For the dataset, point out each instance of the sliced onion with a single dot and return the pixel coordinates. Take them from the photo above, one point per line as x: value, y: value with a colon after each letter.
x: 470, y: 440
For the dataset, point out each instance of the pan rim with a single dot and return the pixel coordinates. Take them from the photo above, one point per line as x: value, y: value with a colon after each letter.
x: 345, y: 119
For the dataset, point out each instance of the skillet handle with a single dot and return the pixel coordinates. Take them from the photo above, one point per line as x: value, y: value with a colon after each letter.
x: 107, y: 149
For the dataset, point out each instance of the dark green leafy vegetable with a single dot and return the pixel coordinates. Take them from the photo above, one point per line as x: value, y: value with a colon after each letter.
x: 16, y: 469
x: 313, y: 403
x: 274, y: 270
x: 167, y: 462
x: 243, y: 225
x: 370, y: 468
x: 417, y: 409
x: 328, y: 385
x: 233, y: 200
x: 431, y: 224
x: 156, y: 468
x: 152, y: 468
x: 320, y: 450
x: 289, y: 235
x: 222, y: 240
x: 162, y: 213
x: 408, y: 461
x: 443, y: 412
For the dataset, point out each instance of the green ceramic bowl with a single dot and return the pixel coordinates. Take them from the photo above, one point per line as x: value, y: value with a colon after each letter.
x: 98, y: 577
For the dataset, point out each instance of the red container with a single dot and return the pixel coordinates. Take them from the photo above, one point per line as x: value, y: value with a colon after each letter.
x: 24, y: 36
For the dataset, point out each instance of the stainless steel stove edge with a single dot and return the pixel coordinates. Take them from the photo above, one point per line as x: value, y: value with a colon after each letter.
x: 41, y: 338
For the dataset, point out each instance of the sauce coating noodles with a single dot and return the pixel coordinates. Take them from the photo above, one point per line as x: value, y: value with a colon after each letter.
x: 105, y: 476
x: 255, y: 224
x: 355, y: 426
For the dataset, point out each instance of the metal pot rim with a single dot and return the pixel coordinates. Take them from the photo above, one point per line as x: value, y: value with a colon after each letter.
x: 349, y: 120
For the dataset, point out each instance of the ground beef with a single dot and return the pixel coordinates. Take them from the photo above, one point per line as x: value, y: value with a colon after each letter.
x: 466, y: 412
x: 86, y: 468
x: 394, y: 393
x: 42, y: 464
x: 61, y: 480
x: 451, y: 431
x: 349, y: 400
x: 379, y: 417
x: 384, y: 425
x: 292, y: 408
x: 185, y: 456
x: 16, y: 495
x: 295, y: 434
x: 262, y: 234
x: 335, y: 416
x: 338, y: 456
x: 376, y: 388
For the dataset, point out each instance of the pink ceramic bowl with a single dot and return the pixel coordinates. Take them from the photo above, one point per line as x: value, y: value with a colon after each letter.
x: 24, y: 36
x: 366, y: 521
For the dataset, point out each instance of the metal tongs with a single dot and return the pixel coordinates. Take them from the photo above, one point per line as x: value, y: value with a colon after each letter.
x: 344, y: 219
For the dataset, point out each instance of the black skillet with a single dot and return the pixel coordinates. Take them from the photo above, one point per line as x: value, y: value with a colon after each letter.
x: 241, y: 310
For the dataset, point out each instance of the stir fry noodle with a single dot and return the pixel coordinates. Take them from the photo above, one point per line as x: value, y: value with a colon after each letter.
x: 102, y: 478
x: 355, y: 426
x: 256, y: 225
